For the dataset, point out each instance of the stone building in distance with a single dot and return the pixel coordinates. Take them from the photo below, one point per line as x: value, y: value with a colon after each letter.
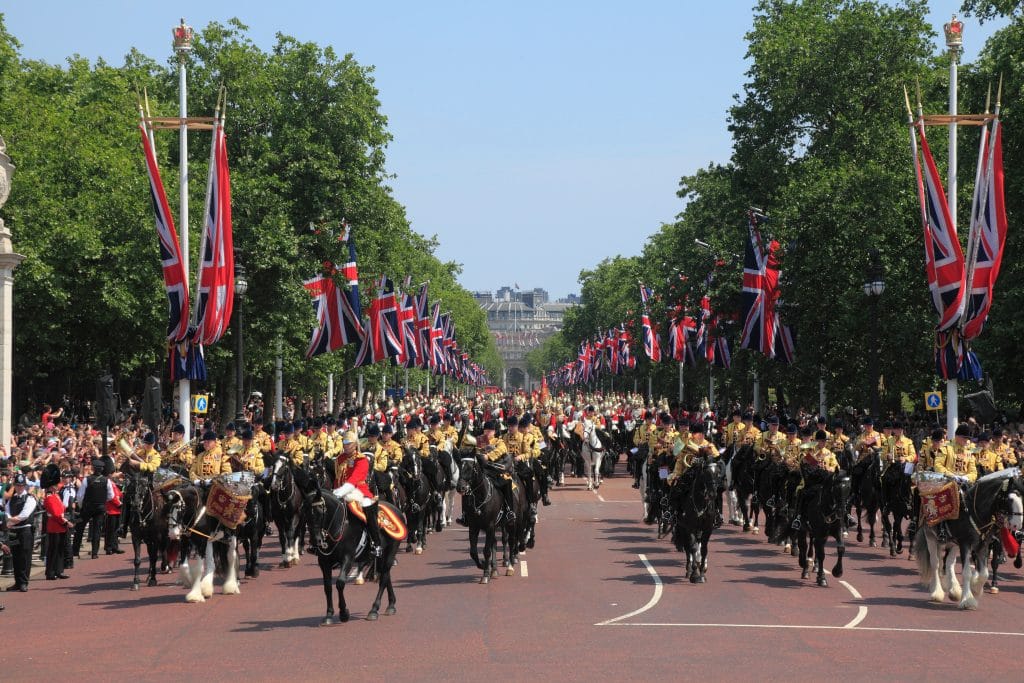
x: 521, y: 320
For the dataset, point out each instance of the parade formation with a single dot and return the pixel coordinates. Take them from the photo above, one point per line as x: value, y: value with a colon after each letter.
x: 709, y: 444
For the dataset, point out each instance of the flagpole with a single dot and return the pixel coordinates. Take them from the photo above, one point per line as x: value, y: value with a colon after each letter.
x: 954, y: 41
x: 183, y: 45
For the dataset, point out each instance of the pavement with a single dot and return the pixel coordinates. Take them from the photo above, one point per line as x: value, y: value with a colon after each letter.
x: 598, y: 598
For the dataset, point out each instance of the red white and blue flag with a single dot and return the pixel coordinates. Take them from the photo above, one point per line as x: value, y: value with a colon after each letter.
x: 423, y: 328
x: 988, y: 234
x: 175, y: 277
x: 944, y: 258
x: 336, y: 322
x: 217, y: 270
x: 760, y: 290
x: 651, y: 346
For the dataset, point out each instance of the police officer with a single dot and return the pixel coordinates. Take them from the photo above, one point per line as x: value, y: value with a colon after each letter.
x: 18, y: 514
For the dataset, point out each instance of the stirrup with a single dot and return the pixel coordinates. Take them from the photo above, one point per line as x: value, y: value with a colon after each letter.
x: 375, y: 549
x: 795, y: 526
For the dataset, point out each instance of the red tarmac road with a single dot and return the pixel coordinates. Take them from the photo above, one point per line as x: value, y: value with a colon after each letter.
x: 754, y: 619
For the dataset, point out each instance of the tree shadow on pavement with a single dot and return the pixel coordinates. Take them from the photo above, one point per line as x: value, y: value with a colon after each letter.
x: 632, y: 538
x: 919, y: 601
x: 306, y: 583
x: 446, y: 580
x: 644, y: 579
x: 771, y: 581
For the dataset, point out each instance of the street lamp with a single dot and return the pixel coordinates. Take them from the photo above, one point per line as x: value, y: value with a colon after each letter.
x: 241, y: 285
x: 874, y: 286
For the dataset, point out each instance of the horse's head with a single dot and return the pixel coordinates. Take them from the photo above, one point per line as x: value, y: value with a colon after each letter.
x: 305, y: 481
x: 410, y: 465
x: 176, y: 504
x: 469, y: 475
x: 1014, y: 507
x: 279, y: 471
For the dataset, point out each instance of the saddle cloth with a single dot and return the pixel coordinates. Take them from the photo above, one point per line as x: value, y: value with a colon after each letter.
x: 940, y: 504
x: 389, y: 519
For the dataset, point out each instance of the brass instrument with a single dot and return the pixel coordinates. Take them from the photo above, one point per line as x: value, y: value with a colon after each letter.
x: 177, y: 449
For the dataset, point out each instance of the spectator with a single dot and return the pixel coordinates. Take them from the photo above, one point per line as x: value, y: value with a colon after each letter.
x: 19, y: 510
x: 113, y: 522
x: 57, y: 525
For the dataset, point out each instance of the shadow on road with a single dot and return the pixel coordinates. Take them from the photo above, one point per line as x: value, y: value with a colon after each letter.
x: 771, y: 581
x: 444, y: 580
x: 141, y: 601
x: 275, y: 624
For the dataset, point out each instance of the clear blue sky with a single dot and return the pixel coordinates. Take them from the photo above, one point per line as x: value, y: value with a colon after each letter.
x: 534, y: 138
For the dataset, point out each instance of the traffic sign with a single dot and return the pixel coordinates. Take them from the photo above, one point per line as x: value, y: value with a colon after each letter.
x: 200, y: 403
x: 932, y: 400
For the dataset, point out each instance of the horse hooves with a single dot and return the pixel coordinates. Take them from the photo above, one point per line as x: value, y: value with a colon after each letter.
x: 151, y: 583
x: 992, y: 589
x: 343, y: 617
x: 134, y: 587
x: 485, y: 578
x: 702, y: 579
x: 822, y: 582
x: 837, y: 572
x: 511, y: 571
x: 529, y: 544
x: 408, y: 548
x: 694, y: 578
x: 746, y: 527
x: 294, y: 561
x: 284, y: 564
x: 804, y: 574
x: 360, y: 581
x: 1017, y: 563
x: 494, y: 572
x: 860, y: 538
x: 390, y: 611
x: 438, y: 527
x: 873, y: 544
x: 372, y: 615
x: 419, y: 550
x: 754, y: 530
x: 327, y: 621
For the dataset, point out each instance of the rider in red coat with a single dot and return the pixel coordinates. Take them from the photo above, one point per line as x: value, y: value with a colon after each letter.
x: 353, y: 468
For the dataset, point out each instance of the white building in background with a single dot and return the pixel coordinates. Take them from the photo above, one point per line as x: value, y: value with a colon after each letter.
x: 520, y: 321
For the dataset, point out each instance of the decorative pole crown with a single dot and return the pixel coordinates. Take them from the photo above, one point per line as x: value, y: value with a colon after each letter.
x: 954, y: 34
x: 182, y: 37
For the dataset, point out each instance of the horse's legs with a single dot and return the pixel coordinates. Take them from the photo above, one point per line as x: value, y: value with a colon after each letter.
x: 930, y: 562
x: 346, y: 565
x: 860, y: 528
x: 887, y: 532
x: 705, y: 538
x: 950, y: 580
x: 474, y: 538
x: 801, y: 542
x: 137, y: 560
x: 195, y: 593
x: 837, y: 570
x: 206, y: 584
x: 997, y: 551
x: 872, y: 513
x: 968, y: 601
x: 489, y: 548
x: 325, y: 572
x: 231, y: 571
x: 154, y: 556
x: 386, y: 579
x: 819, y: 560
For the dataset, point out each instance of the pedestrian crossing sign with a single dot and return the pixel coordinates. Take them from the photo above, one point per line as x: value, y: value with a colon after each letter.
x: 932, y: 400
x: 200, y: 403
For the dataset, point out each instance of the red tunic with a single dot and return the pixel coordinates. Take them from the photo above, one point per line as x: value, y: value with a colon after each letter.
x: 54, y: 514
x: 114, y: 504
x: 354, y: 472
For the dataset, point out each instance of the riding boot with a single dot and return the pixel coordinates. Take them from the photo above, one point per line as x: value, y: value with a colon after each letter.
x: 373, y: 529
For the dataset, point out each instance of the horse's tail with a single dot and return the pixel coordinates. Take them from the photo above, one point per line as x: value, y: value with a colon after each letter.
x: 924, y: 558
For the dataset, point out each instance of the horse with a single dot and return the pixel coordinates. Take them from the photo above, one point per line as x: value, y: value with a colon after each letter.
x: 419, y: 502
x: 992, y: 502
x: 826, y: 499
x: 342, y: 542
x: 484, y: 510
x: 146, y: 526
x: 449, y: 471
x: 553, y: 460
x: 531, y: 493
x: 897, y: 503
x: 695, y: 499
x: 188, y: 523
x: 770, y: 489
x: 867, y: 489
x: 286, y: 508
x: 744, y: 482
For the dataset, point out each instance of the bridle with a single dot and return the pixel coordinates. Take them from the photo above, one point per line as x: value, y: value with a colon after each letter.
x: 277, y: 483
x: 470, y: 491
x: 326, y: 544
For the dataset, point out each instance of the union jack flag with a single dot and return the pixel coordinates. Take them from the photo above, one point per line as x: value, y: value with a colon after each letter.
x: 217, y: 270
x: 407, y: 332
x: 437, y: 358
x: 944, y: 259
x: 760, y: 290
x: 651, y: 346
x: 175, y: 278
x: 423, y: 328
x: 988, y: 234
x: 381, y: 340
x: 785, y: 349
x: 337, y: 324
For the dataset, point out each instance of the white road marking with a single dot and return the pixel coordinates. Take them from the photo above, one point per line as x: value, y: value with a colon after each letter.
x: 650, y: 603
x: 601, y: 498
x: 823, y: 628
x: 522, y: 568
x: 862, y: 610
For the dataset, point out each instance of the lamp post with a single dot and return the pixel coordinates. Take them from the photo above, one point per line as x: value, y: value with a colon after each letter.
x: 873, y: 287
x: 241, y: 285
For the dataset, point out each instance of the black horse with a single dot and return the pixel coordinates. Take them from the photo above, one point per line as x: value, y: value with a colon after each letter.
x: 484, y: 510
x: 531, y: 490
x: 286, y: 508
x: 897, y: 502
x: 744, y: 482
x: 825, y: 500
x: 419, y: 500
x: 867, y: 489
x: 341, y: 542
x: 146, y: 526
x: 696, y: 498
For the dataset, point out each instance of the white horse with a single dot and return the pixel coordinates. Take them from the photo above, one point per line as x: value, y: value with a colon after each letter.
x: 994, y: 500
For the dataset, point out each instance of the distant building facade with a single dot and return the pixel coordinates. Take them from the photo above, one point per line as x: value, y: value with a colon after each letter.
x: 521, y: 320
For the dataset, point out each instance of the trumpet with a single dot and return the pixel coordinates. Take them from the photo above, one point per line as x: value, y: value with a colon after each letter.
x: 177, y: 449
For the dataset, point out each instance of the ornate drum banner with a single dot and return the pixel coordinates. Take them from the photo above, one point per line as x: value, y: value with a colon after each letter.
x: 229, y: 494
